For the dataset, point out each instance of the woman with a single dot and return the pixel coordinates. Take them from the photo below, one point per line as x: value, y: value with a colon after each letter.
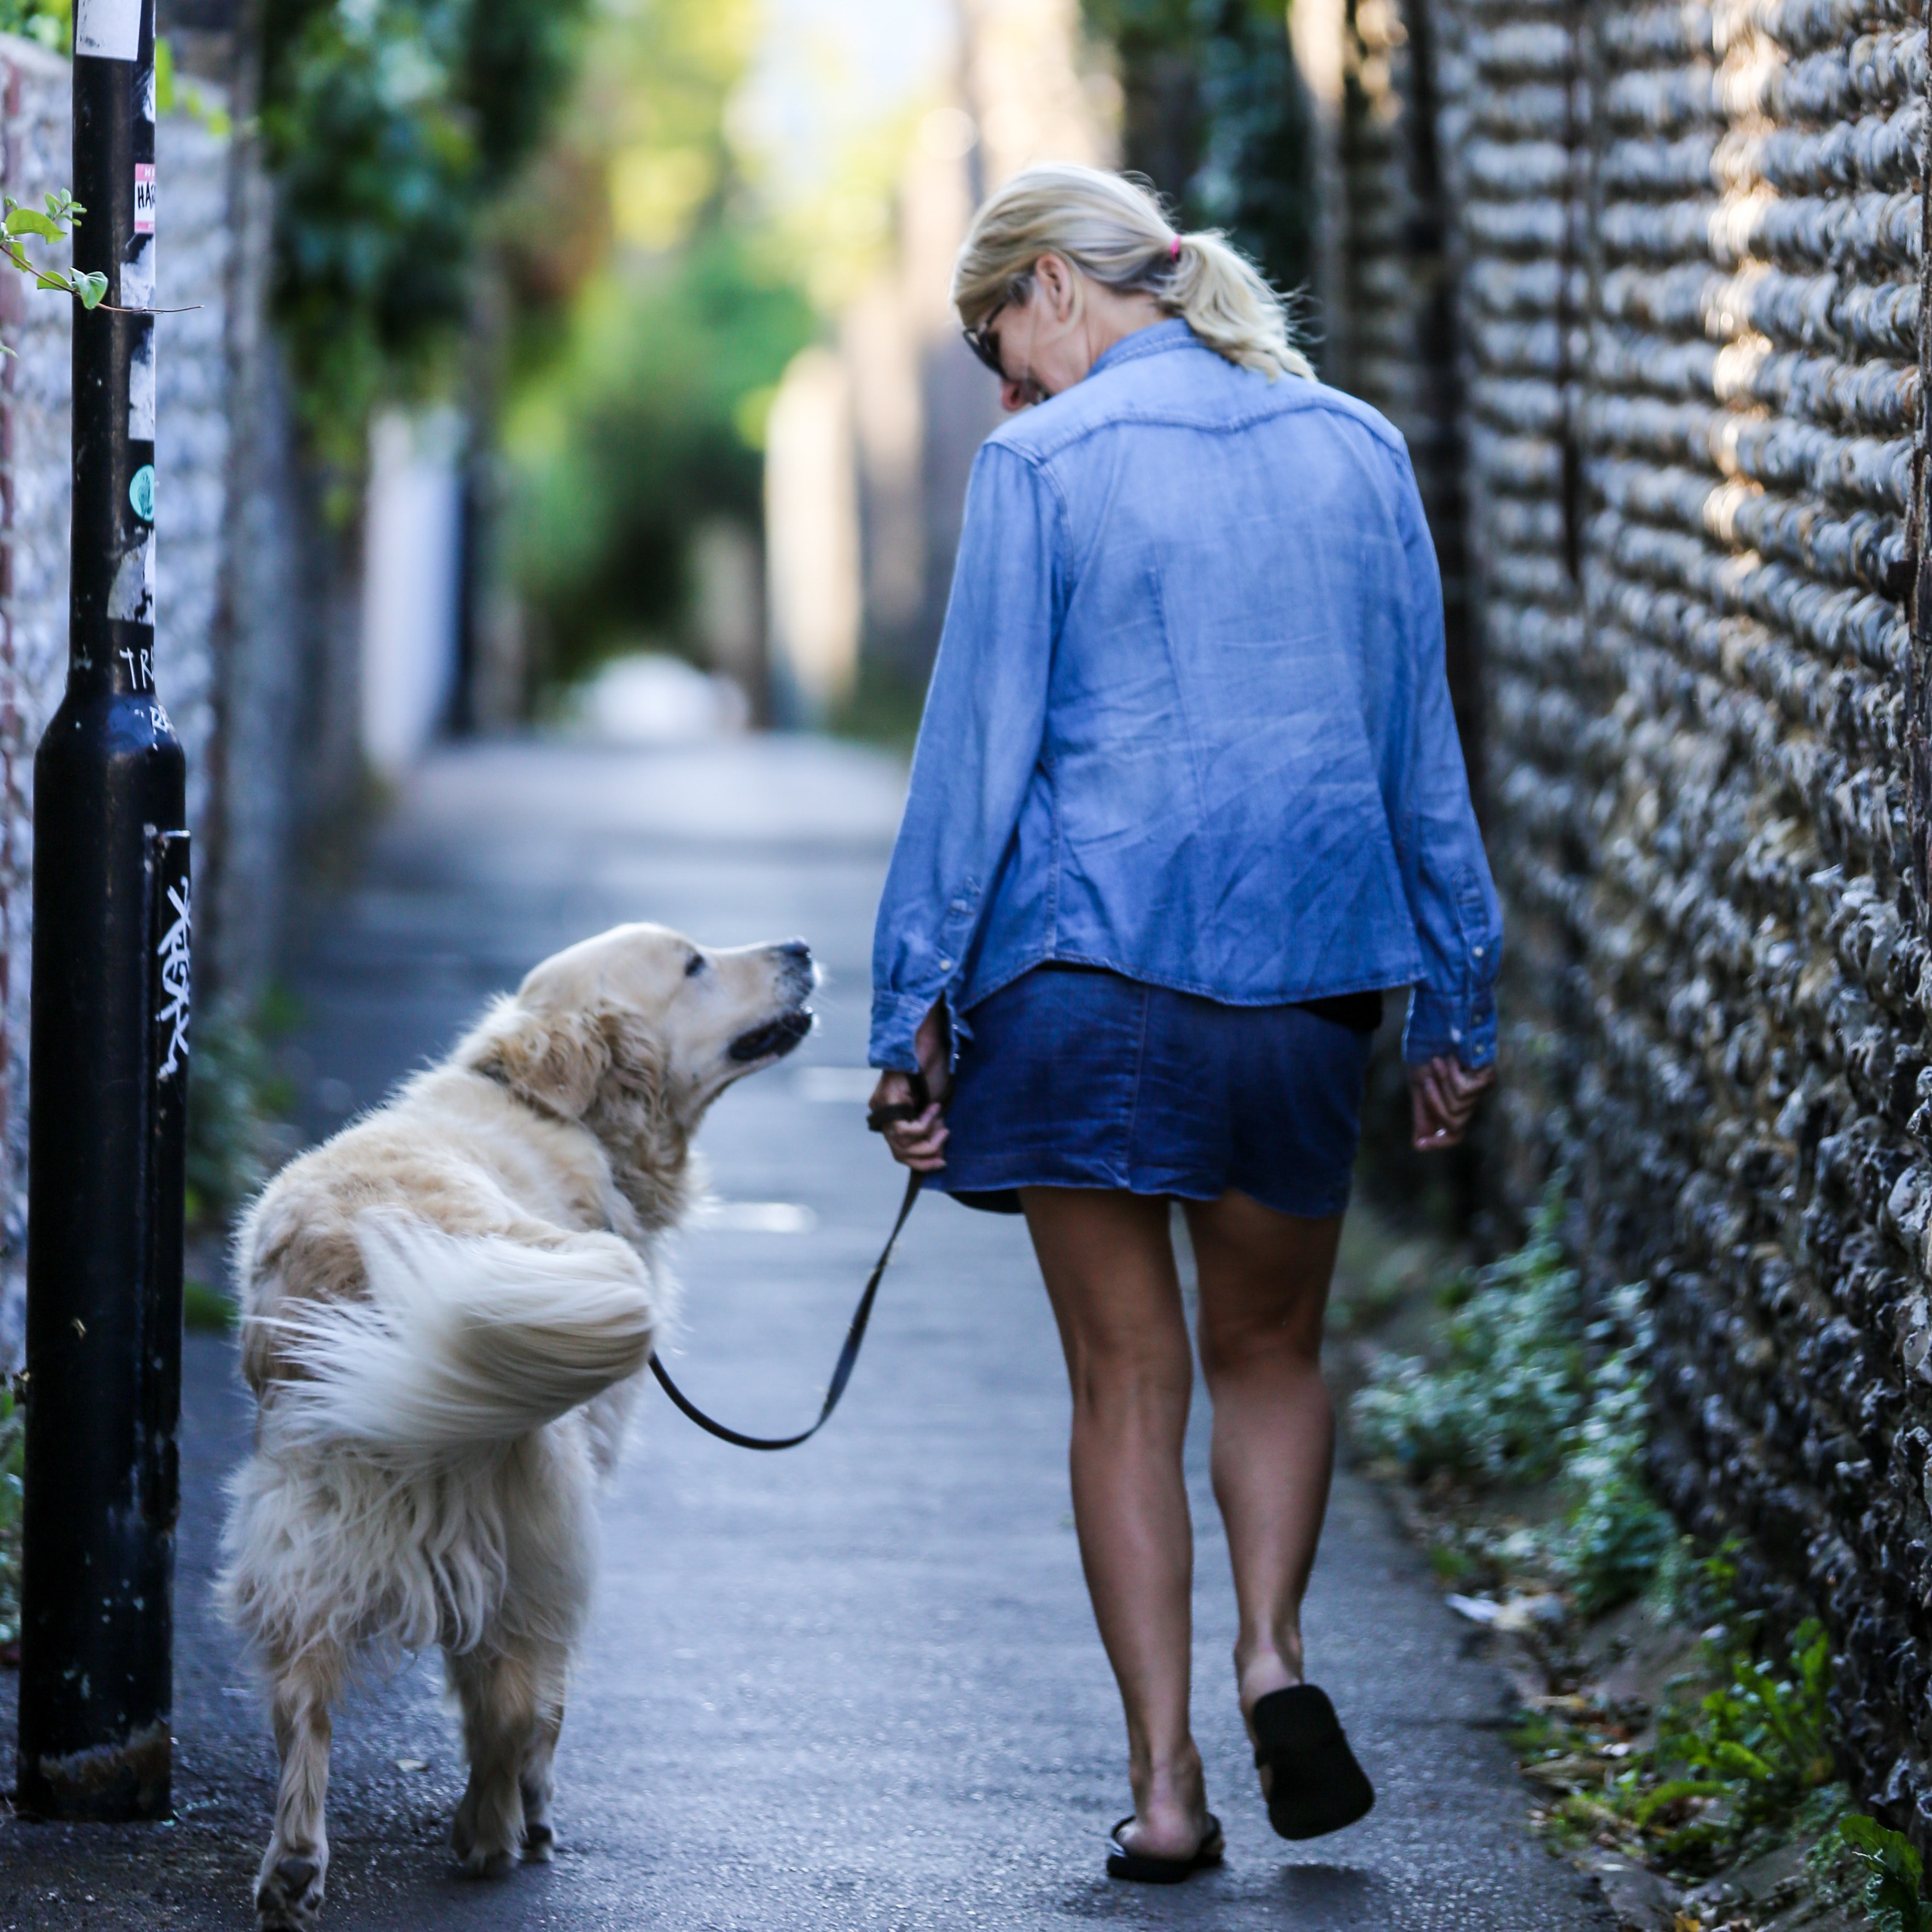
x: 1187, y: 799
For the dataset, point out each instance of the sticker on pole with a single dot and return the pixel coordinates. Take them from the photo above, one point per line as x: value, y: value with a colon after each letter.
x: 108, y: 29
x: 141, y: 492
x: 144, y: 197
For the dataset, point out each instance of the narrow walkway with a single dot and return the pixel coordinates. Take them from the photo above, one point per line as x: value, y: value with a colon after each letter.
x: 854, y: 1686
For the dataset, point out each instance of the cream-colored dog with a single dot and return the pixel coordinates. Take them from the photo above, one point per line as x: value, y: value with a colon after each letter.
x: 444, y: 1309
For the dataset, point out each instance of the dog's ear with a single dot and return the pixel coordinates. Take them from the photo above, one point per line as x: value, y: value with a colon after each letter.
x: 636, y: 1059
x: 554, y: 1058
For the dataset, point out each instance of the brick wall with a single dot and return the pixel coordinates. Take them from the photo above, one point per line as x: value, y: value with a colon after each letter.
x: 1688, y: 247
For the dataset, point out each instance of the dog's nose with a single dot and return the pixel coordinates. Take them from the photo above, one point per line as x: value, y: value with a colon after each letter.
x: 795, y: 950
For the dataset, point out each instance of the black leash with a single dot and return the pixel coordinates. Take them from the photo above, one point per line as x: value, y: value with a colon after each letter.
x: 878, y: 1120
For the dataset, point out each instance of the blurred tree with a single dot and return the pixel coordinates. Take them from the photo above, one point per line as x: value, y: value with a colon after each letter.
x: 390, y: 125
x: 1216, y: 117
x: 657, y: 311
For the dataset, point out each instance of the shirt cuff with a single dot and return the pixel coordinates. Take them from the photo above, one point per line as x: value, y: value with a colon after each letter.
x: 896, y: 1019
x: 1439, y: 1027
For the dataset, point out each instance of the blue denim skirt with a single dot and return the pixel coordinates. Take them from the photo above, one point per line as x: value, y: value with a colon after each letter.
x: 1076, y: 1077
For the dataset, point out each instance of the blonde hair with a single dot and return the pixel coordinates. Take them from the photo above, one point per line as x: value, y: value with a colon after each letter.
x: 1115, y: 230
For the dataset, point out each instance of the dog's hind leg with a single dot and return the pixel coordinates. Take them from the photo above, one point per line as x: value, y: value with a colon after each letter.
x: 288, y: 1893
x: 501, y: 1690
x: 535, y: 1779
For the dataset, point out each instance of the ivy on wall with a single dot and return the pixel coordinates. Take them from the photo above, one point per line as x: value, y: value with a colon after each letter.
x: 390, y: 126
x: 1216, y: 117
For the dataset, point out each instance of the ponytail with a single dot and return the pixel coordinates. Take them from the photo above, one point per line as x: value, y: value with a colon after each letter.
x: 1113, y: 229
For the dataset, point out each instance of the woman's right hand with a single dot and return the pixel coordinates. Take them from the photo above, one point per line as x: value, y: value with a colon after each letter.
x: 919, y: 1143
x: 1443, y: 1094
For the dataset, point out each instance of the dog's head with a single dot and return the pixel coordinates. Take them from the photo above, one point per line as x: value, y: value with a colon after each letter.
x: 636, y: 1032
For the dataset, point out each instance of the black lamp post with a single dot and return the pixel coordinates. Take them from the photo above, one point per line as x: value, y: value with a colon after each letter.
x: 110, y: 1038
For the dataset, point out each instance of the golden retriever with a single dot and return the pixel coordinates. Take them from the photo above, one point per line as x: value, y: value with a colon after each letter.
x: 444, y: 1310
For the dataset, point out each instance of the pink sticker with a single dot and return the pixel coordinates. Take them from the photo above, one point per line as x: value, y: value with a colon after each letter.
x: 144, y: 197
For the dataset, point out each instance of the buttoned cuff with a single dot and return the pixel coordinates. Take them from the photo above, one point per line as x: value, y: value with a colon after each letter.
x: 896, y: 1019
x: 1439, y: 1027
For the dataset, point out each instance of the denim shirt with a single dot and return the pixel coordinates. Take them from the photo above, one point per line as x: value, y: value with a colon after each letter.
x: 1189, y: 719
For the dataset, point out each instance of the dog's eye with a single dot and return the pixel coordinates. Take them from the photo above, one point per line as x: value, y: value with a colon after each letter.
x: 694, y: 966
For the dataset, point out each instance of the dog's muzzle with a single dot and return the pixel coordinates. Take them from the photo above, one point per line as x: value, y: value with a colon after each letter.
x: 797, y: 975
x: 772, y: 1040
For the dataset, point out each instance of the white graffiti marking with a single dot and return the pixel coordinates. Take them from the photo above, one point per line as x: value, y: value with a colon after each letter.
x: 173, y: 954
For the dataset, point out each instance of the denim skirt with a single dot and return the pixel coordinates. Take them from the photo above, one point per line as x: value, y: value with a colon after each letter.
x: 1073, y: 1076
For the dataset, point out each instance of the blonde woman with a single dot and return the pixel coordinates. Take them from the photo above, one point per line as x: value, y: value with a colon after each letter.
x: 1187, y: 800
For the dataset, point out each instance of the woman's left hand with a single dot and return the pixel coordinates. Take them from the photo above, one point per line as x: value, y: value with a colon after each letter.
x: 1443, y: 1094
x: 919, y: 1143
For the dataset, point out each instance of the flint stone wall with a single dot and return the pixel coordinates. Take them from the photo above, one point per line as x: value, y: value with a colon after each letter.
x: 1688, y: 243
x: 192, y: 457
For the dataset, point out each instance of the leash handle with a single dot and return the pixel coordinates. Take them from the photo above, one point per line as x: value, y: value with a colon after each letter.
x: 848, y: 1356
x: 880, y: 1118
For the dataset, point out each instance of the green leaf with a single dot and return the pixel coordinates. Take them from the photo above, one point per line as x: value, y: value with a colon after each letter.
x: 91, y: 288
x: 24, y: 221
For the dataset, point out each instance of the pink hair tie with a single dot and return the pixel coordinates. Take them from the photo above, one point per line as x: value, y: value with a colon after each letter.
x: 1174, y: 249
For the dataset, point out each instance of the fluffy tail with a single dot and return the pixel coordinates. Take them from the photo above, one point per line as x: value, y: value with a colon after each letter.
x: 461, y: 1341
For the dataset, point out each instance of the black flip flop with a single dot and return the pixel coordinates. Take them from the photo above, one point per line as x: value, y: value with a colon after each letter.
x: 1314, y: 1785
x: 1143, y: 1870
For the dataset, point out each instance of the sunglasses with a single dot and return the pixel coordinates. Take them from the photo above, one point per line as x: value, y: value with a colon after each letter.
x: 983, y: 343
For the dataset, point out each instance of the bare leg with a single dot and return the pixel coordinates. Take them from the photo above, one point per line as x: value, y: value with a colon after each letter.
x: 1264, y: 1290
x: 506, y: 1711
x: 1108, y: 1264
x: 288, y: 1890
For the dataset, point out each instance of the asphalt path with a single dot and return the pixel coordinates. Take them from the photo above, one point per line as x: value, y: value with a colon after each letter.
x: 856, y: 1686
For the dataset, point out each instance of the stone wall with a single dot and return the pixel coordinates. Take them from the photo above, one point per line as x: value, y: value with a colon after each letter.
x: 192, y: 458
x: 1688, y: 244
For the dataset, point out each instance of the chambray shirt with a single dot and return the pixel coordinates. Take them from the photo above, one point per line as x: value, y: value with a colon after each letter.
x: 1189, y: 719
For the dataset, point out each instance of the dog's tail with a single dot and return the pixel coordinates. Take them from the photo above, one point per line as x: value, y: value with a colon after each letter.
x: 462, y: 1340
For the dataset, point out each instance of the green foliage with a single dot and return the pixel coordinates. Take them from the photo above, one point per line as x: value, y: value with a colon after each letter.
x: 1509, y: 1383
x: 1517, y: 1392
x: 12, y: 1468
x: 235, y: 1096
x: 50, y: 22
x: 1615, y: 1538
x: 205, y: 1310
x: 389, y: 125
x: 639, y: 430
x: 1218, y: 117
x: 1892, y: 1872
x: 1739, y: 1755
x: 1759, y: 1743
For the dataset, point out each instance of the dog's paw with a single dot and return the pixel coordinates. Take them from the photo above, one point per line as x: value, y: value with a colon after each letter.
x: 289, y: 1895
x: 486, y: 1862
x: 539, y: 1842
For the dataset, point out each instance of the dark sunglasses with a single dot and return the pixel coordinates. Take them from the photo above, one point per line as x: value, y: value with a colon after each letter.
x: 985, y: 344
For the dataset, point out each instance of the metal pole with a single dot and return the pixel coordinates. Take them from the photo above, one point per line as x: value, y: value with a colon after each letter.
x: 110, y: 1031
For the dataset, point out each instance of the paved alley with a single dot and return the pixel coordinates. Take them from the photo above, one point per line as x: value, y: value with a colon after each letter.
x: 854, y: 1686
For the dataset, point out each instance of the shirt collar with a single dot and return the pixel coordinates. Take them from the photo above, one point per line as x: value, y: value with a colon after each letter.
x: 1154, y: 339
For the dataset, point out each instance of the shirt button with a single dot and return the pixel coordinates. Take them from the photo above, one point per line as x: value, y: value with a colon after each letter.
x: 1455, y: 1034
x: 946, y: 965
x: 1479, y: 952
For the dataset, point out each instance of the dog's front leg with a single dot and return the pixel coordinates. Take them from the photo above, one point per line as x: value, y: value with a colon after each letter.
x: 288, y: 1894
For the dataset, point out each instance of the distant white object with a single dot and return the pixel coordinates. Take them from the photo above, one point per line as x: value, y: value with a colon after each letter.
x: 651, y: 699
x: 753, y: 1217
x: 811, y: 538
x: 411, y: 583
x: 835, y: 1086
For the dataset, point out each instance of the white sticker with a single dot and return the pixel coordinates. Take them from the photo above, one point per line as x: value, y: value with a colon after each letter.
x: 144, y: 197
x: 108, y: 29
x: 141, y: 386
